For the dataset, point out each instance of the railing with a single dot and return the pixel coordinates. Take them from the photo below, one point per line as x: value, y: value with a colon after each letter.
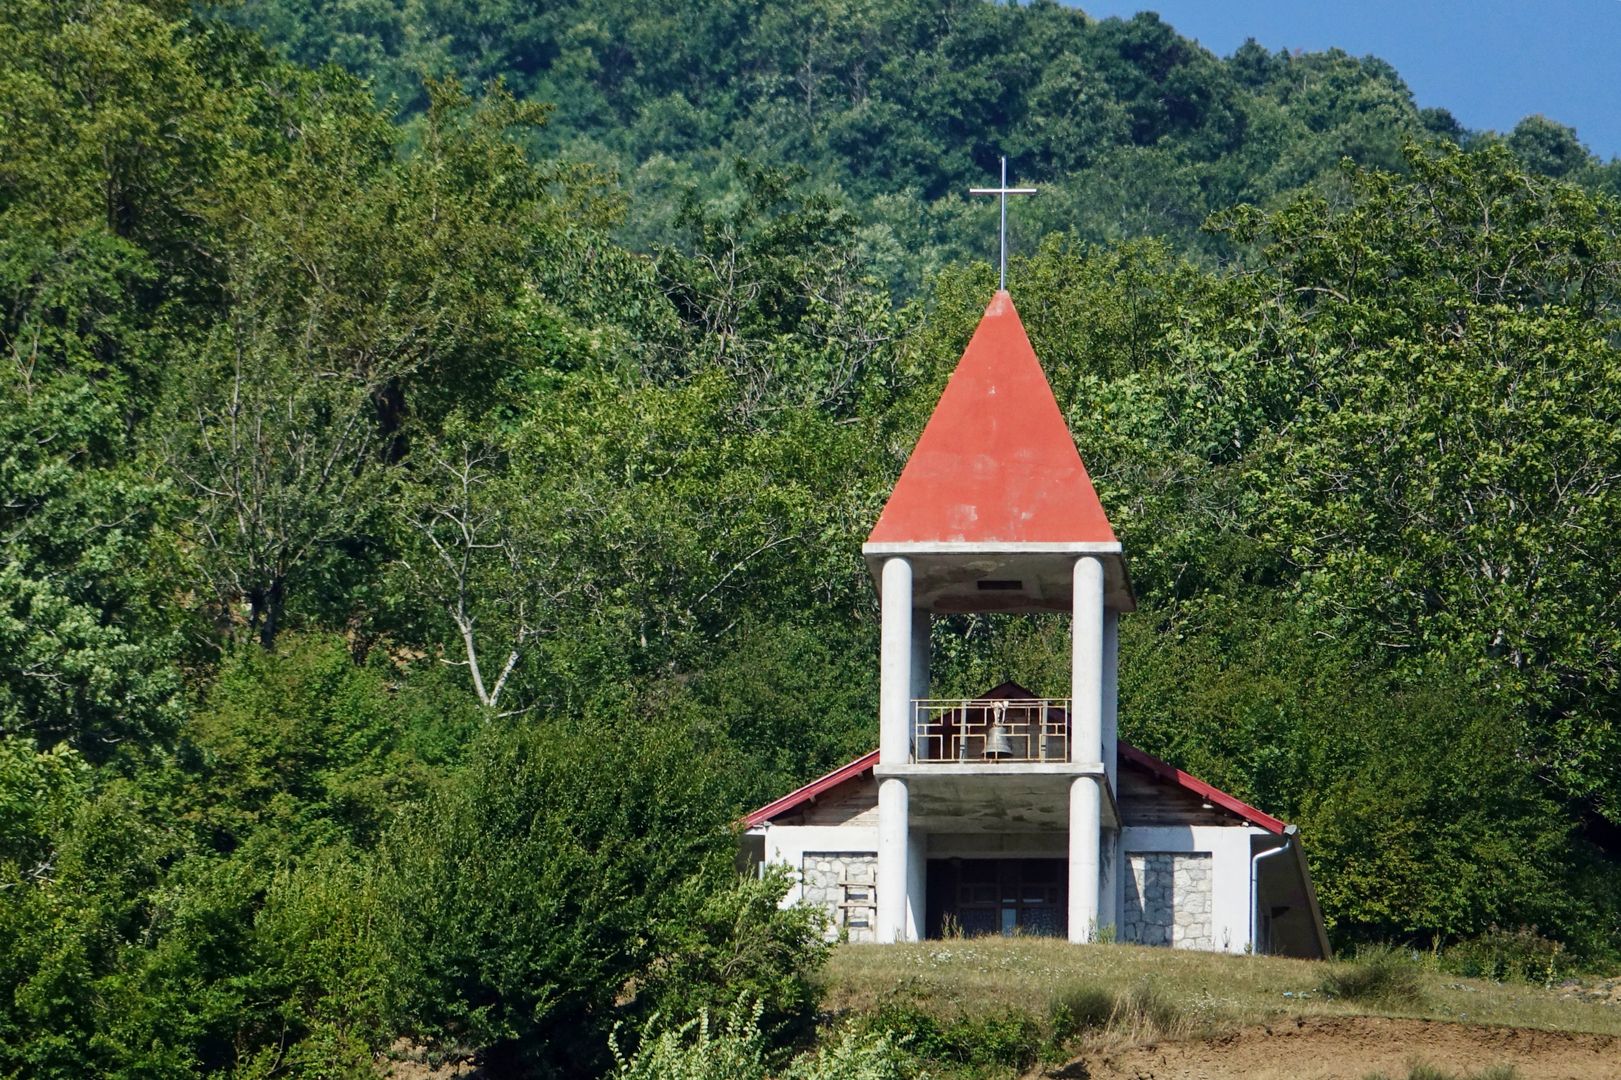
x: 996, y: 730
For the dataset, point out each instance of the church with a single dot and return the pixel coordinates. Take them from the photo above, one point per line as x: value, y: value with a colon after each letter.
x: 1019, y: 811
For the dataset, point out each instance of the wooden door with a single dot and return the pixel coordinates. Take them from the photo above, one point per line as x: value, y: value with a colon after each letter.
x: 978, y: 897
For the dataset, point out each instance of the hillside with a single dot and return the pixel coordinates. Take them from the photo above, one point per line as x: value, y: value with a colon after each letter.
x: 424, y: 531
x: 898, y: 108
x: 996, y: 1007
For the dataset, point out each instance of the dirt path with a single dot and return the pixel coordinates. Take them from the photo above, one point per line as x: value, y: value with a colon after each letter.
x: 1350, y: 1048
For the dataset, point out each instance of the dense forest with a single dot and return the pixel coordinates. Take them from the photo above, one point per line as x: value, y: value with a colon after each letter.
x: 900, y: 105
x: 438, y: 439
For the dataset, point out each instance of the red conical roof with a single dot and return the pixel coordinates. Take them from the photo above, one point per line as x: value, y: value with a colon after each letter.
x: 996, y: 463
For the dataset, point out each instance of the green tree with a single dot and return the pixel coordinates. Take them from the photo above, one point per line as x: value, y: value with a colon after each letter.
x: 725, y: 947
x: 1549, y: 148
x: 773, y: 291
x: 908, y: 99
x: 360, y: 291
x: 1423, y: 818
x: 529, y: 889
x: 1443, y: 456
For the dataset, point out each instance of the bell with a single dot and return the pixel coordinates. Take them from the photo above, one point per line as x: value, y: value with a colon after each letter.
x: 997, y: 743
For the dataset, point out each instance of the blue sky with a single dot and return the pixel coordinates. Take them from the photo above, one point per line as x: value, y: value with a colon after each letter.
x: 1490, y: 62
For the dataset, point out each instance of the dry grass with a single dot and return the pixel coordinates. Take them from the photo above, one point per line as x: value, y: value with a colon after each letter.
x: 989, y: 977
x: 1379, y: 978
x: 1424, y: 1072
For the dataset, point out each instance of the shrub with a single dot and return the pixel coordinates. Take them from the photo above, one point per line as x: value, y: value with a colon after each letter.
x: 1078, y: 1010
x: 734, y: 943
x: 921, y: 1031
x: 1521, y: 955
x: 857, y: 1057
x: 1380, y: 975
x: 532, y: 890
x: 299, y: 747
x: 1010, y: 1040
x: 738, y: 1050
x: 1013, y: 1040
x: 1145, y: 1013
x: 696, y: 1051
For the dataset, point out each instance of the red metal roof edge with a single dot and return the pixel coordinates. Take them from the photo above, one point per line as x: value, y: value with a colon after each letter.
x: 812, y: 789
x: 1137, y: 757
x: 1209, y: 792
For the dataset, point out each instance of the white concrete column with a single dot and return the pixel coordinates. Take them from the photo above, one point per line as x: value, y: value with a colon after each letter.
x: 1084, y: 808
x: 895, y: 663
x: 1111, y: 695
x: 921, y: 624
x: 1109, y: 882
x: 893, y: 860
x: 917, y: 883
x: 1086, y: 662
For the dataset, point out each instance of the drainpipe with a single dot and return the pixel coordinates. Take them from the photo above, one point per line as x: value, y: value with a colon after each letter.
x: 1289, y: 832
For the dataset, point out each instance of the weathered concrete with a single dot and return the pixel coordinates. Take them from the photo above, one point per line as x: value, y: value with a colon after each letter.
x: 895, y: 664
x: 948, y: 796
x: 1109, y: 882
x: 893, y: 861
x: 917, y: 882
x: 1086, y: 661
x: 921, y: 623
x: 1111, y: 696
x: 1084, y: 805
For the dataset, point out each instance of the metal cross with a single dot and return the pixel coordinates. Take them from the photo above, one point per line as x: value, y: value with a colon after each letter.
x: 1004, y: 191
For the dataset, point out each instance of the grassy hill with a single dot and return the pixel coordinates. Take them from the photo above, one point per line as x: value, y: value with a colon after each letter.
x: 994, y: 1007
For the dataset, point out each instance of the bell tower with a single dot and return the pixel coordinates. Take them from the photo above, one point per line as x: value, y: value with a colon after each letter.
x: 995, y: 512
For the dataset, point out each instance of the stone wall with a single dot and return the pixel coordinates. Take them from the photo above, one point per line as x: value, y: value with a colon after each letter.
x: 1167, y: 900
x: 844, y: 884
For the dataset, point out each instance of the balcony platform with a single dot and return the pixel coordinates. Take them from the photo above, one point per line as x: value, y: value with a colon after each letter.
x: 951, y: 767
x: 994, y: 797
